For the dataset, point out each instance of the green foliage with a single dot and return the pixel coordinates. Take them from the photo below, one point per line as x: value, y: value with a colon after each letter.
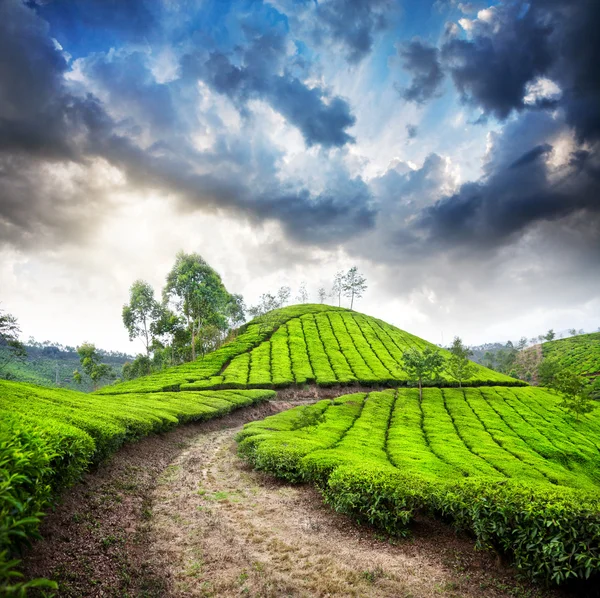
x: 423, y: 366
x: 459, y: 367
x: 576, y: 398
x: 141, y: 312
x: 199, y: 294
x: 11, y: 348
x: 502, y: 463
x: 91, y: 365
x: 49, y: 437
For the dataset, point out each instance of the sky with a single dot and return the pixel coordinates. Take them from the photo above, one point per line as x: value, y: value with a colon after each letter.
x: 450, y: 150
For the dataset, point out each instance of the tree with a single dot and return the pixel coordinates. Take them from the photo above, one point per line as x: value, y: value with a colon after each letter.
x: 576, y: 398
x: 547, y: 371
x: 236, y: 310
x: 322, y: 294
x: 302, y: 293
x: 11, y: 348
x: 283, y: 295
x: 572, y: 331
x: 198, y: 293
x: 354, y: 285
x: 338, y: 287
x: 266, y: 303
x: 422, y: 366
x: 459, y: 366
x: 141, y: 311
x: 550, y: 335
x: 91, y: 364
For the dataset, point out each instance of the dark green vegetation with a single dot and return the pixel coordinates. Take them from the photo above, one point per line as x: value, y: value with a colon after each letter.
x: 49, y: 437
x: 580, y: 354
x: 52, y: 364
x: 304, y: 344
x: 506, y: 464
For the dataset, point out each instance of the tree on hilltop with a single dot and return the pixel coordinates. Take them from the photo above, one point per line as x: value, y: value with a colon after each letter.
x: 338, y: 286
x: 322, y: 294
x: 354, y: 285
x: 198, y: 293
x: 459, y: 366
x: 302, y: 296
x: 283, y: 295
x: 423, y: 366
x: 550, y: 335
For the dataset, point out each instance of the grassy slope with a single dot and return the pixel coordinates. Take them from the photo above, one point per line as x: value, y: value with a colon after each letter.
x: 303, y: 344
x: 580, y: 353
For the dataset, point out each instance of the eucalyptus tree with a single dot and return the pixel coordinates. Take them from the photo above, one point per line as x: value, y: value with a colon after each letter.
x: 198, y: 293
x: 354, y: 285
x: 141, y: 312
x: 337, y: 288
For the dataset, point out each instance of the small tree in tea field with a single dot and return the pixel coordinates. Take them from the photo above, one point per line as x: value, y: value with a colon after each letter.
x: 423, y: 366
x: 459, y: 366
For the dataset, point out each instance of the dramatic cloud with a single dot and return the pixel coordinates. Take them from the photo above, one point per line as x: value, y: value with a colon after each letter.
x: 354, y: 23
x: 422, y: 62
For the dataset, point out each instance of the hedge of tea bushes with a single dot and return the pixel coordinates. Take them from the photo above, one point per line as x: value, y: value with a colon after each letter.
x: 504, y: 463
x: 49, y: 437
x: 579, y: 353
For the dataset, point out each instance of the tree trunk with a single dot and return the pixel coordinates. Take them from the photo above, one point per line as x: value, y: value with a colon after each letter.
x: 420, y: 392
x: 352, y: 300
x: 193, y: 342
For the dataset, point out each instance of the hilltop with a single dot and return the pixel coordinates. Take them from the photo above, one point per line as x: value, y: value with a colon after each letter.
x: 304, y: 344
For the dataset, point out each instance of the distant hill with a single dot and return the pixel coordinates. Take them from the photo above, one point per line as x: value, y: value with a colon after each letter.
x: 52, y: 364
x: 579, y: 353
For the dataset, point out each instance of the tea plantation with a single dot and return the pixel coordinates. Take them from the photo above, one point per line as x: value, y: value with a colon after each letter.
x: 506, y: 464
x: 304, y: 344
x: 49, y: 437
x: 579, y: 353
x: 496, y: 457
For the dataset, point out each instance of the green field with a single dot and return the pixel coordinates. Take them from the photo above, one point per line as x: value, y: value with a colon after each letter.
x: 304, y: 344
x: 505, y: 463
x: 578, y: 353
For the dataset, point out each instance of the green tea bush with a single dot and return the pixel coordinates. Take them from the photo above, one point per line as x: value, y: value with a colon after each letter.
x: 522, y: 480
x: 49, y: 437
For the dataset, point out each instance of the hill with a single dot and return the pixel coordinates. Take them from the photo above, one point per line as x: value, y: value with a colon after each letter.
x: 579, y: 353
x: 52, y: 364
x: 299, y: 345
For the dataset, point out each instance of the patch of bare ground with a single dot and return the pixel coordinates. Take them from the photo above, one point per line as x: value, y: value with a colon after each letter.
x: 181, y: 515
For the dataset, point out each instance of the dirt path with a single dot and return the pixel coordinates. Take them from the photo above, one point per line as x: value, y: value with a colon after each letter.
x: 180, y: 515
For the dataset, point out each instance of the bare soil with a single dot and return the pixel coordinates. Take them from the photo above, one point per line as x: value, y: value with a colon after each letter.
x: 180, y: 515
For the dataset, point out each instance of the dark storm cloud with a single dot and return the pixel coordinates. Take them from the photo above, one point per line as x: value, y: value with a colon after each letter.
x: 37, y: 114
x: 422, y: 62
x: 520, y: 42
x: 493, y: 69
x: 353, y: 23
x: 532, y: 155
x: 322, y: 120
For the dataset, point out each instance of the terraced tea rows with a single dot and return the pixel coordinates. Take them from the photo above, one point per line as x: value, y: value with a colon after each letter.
x: 318, y: 344
x: 578, y: 353
x: 472, y: 454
